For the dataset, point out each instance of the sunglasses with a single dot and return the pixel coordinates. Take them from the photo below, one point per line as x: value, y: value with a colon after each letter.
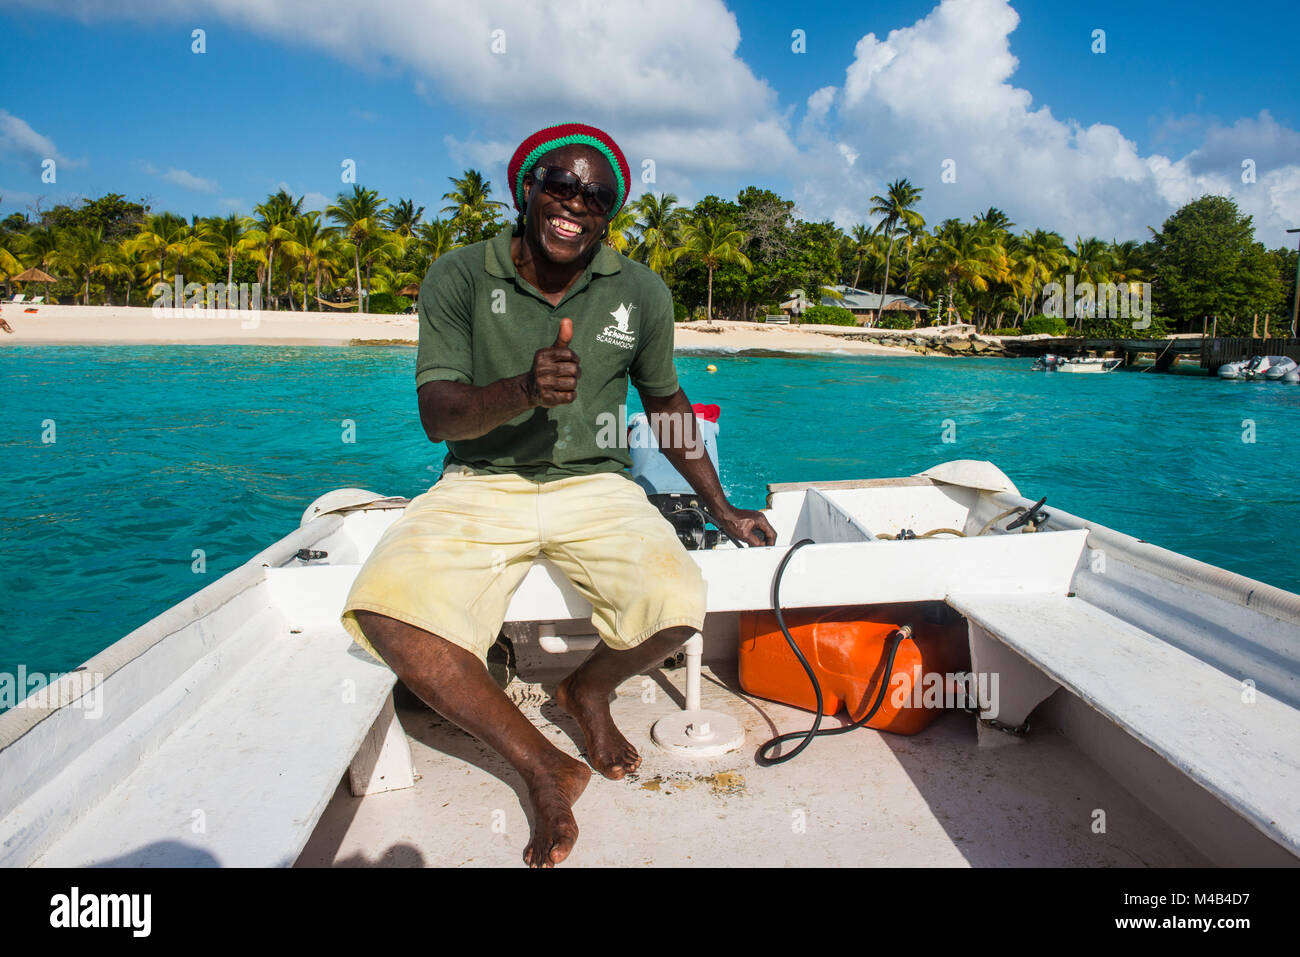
x: 564, y: 184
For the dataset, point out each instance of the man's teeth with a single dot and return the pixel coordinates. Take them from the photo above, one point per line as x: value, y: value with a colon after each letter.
x: 566, y: 227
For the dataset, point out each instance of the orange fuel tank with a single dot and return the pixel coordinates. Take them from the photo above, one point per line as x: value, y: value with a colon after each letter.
x: 847, y: 647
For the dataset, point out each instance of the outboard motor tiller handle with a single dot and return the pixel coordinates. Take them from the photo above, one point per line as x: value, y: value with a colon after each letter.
x: 1032, y: 515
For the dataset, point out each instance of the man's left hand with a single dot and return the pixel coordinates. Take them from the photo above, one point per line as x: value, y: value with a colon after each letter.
x: 746, y: 525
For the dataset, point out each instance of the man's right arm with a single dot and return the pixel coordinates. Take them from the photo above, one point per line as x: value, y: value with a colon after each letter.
x: 457, y: 411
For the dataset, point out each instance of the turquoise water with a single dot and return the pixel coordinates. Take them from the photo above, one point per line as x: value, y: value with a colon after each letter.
x: 159, y: 451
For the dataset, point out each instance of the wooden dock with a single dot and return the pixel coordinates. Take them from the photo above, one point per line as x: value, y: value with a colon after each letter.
x: 1211, y: 352
x: 1165, y: 350
x: 1217, y: 352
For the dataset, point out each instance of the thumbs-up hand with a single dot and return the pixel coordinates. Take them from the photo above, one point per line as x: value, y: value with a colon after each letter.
x: 554, y: 377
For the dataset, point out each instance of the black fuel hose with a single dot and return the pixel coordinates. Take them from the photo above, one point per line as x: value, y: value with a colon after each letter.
x: 895, y: 640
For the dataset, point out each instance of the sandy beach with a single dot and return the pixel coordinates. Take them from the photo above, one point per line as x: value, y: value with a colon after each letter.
x: 140, y: 325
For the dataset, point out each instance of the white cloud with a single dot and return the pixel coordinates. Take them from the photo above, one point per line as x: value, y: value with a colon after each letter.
x: 21, y: 144
x: 178, y: 177
x: 666, y: 80
x: 16, y: 199
x: 663, y: 78
x: 940, y: 90
x: 184, y: 178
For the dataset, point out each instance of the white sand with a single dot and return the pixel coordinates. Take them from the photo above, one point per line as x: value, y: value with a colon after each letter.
x: 140, y: 325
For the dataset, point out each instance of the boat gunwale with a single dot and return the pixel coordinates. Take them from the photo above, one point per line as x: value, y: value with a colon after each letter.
x: 22, y: 718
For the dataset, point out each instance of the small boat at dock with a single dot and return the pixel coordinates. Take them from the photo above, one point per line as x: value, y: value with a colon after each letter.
x: 1054, y: 363
x: 1262, y: 368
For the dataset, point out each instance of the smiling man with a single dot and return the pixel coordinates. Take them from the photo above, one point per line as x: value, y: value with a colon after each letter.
x: 527, y: 342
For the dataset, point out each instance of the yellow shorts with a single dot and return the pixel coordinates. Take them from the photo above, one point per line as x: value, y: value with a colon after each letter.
x: 453, y: 560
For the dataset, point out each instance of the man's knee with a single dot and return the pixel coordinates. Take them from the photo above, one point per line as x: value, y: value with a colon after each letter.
x: 674, y: 636
x: 403, y: 645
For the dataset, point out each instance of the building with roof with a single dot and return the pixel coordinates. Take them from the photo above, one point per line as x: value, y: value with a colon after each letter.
x: 864, y: 305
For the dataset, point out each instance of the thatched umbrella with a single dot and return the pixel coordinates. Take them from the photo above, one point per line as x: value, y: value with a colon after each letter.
x: 411, y: 290
x: 36, y: 275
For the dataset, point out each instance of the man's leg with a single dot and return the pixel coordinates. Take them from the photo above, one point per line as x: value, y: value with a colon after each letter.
x: 585, y: 695
x: 455, y: 683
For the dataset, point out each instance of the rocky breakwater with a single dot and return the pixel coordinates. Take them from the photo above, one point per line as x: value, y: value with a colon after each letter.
x: 931, y: 342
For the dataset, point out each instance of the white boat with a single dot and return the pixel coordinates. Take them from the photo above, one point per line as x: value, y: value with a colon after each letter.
x: 1090, y: 364
x: 1055, y: 363
x: 1280, y: 368
x: 242, y: 727
x: 1257, y: 368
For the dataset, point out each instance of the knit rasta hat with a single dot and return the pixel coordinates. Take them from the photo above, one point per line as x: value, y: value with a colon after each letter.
x: 566, y: 134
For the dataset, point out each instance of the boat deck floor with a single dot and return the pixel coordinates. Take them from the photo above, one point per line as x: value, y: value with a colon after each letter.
x: 858, y: 799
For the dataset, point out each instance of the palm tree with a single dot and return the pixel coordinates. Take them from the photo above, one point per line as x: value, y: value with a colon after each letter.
x: 192, y: 245
x: 994, y: 219
x: 229, y: 238
x: 713, y: 243
x: 359, y: 216
x: 83, y: 251
x: 377, y: 249
x: 312, y: 241
x: 1046, y: 253
x: 38, y: 246
x: 434, y: 239
x: 962, y: 253
x: 120, y: 265
x: 860, y: 246
x: 272, y: 230
x: 896, y: 206
x: 618, y: 234
x: 915, y: 239
x: 470, y: 206
x: 155, y: 235
x: 660, y: 222
x: 1091, y: 262
x: 404, y: 217
x: 9, y: 264
x: 1128, y: 264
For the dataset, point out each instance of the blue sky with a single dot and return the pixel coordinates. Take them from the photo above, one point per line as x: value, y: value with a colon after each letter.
x: 1011, y: 95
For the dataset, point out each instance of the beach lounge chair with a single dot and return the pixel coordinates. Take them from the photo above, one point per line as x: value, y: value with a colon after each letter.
x: 37, y: 301
x: 18, y: 299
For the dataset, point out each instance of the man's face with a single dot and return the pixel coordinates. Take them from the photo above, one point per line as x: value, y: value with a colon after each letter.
x: 551, y: 222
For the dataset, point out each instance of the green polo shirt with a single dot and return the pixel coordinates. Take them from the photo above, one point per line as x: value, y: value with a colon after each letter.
x: 480, y: 321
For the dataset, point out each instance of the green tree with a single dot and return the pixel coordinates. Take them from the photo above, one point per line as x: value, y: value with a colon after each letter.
x: 154, y: 235
x: 962, y: 253
x: 359, y: 215
x: 619, y: 233
x: 1207, y: 263
x: 311, y: 242
x: 896, y: 206
x: 229, y: 237
x: 471, y: 207
x: 404, y: 217
x: 113, y: 213
x: 84, y: 252
x: 659, y: 220
x: 274, y: 218
x: 712, y: 242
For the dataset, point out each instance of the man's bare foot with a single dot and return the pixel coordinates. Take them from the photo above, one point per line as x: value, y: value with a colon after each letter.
x: 553, y: 794
x: 608, y: 751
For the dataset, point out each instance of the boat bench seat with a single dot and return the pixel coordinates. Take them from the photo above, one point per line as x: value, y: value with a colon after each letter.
x: 1209, y: 725
x: 273, y: 742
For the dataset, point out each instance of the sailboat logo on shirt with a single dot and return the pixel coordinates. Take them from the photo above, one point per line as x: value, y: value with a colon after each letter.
x: 618, y: 333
